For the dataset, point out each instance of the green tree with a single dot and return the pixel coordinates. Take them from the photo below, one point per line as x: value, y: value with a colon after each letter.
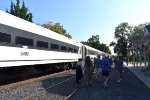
x: 122, y: 33
x: 104, y: 48
x: 57, y: 28
x: 21, y: 12
x: 137, y: 32
x: 94, y: 42
x: 112, y: 44
x: 11, y: 9
x: 17, y: 8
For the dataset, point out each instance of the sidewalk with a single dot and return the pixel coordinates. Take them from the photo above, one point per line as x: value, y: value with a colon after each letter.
x: 140, y: 75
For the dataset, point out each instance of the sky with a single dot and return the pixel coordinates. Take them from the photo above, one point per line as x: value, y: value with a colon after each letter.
x: 84, y: 18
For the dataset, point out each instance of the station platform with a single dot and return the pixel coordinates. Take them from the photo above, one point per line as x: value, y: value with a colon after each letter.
x: 130, y: 88
x: 136, y: 70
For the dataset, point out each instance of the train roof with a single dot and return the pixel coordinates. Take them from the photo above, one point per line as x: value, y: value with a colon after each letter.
x: 16, y: 22
x: 90, y: 48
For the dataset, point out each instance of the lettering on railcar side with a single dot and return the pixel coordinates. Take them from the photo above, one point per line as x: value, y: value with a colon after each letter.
x: 24, y: 53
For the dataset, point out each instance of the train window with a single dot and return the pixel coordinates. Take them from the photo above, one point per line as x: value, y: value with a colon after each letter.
x: 55, y: 46
x: 91, y: 52
x: 6, y: 38
x: 70, y: 49
x: 42, y: 44
x: 75, y: 50
x: 24, y: 41
x: 64, y: 48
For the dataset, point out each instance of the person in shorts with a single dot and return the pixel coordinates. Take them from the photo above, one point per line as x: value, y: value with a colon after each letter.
x: 105, y: 69
x: 98, y: 65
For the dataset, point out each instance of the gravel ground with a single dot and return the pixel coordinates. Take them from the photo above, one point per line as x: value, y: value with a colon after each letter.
x: 130, y: 88
x: 57, y: 93
x: 61, y: 91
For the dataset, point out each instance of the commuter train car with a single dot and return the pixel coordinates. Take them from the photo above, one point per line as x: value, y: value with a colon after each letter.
x: 25, y: 43
x: 92, y: 52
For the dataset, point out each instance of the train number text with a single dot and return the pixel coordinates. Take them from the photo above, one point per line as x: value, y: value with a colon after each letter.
x: 24, y: 53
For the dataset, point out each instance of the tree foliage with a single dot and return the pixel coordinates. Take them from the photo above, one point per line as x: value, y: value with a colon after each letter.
x: 94, y: 42
x: 104, y: 48
x: 122, y: 33
x: 21, y: 12
x: 112, y: 44
x: 137, y: 32
x: 57, y: 28
x: 125, y: 36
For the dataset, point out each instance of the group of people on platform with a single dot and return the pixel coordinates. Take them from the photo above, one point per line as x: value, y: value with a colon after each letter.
x: 102, y: 67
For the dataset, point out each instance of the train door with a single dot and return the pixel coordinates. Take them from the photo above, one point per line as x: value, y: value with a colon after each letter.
x: 84, y: 52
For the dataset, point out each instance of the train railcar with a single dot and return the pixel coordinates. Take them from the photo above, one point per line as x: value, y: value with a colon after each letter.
x: 25, y: 43
x: 92, y: 52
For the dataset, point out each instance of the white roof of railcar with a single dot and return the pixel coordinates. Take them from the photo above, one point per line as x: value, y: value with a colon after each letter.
x: 90, y: 48
x: 16, y: 22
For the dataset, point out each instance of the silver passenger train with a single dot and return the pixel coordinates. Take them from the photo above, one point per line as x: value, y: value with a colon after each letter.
x: 25, y: 43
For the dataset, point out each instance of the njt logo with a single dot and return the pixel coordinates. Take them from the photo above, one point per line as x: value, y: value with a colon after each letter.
x: 24, y: 53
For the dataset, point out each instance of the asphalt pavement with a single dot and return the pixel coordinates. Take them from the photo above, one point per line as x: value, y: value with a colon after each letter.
x: 130, y: 88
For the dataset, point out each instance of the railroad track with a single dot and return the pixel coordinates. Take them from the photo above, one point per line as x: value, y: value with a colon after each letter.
x: 42, y: 92
x: 56, y: 86
x: 2, y: 87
